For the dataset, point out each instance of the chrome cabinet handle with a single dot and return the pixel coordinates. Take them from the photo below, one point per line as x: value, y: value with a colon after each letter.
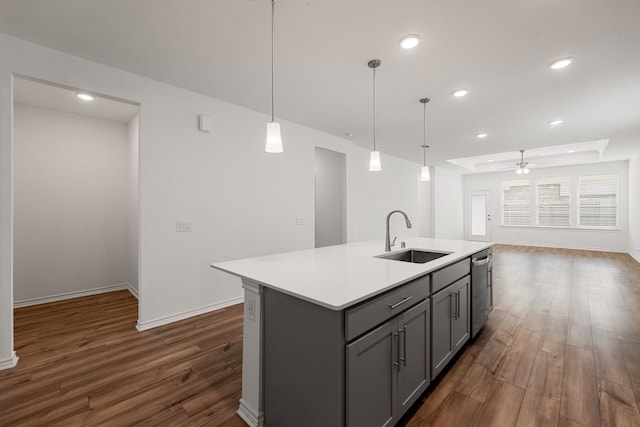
x: 455, y: 306
x: 458, y: 305
x: 397, y: 335
x: 399, y: 303
x: 404, y: 345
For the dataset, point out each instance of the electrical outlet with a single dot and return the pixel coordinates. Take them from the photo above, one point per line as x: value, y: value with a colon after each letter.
x: 300, y: 220
x: 250, y: 308
x: 183, y: 225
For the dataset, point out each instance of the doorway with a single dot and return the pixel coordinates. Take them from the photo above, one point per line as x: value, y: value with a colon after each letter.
x: 330, y: 198
x: 478, y: 216
x: 75, y: 193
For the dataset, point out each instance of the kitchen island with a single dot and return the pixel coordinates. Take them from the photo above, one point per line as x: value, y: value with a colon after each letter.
x: 323, y: 328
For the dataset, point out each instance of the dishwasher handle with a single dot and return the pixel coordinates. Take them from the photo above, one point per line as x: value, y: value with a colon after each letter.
x: 478, y: 262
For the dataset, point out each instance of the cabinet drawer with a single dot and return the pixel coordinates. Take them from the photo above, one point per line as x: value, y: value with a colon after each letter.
x: 450, y: 274
x: 368, y: 314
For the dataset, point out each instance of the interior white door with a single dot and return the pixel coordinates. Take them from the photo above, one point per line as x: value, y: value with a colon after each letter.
x: 478, y: 216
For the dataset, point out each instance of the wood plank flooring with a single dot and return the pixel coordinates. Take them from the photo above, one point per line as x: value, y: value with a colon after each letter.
x: 561, y: 348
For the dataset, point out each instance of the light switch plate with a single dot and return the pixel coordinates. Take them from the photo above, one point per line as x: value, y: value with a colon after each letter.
x: 205, y: 123
x: 300, y: 220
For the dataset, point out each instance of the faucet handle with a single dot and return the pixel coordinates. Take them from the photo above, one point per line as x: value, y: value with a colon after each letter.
x: 394, y: 241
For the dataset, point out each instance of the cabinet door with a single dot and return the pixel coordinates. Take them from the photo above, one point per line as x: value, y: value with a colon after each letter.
x: 461, y: 327
x: 414, y: 373
x: 441, y: 317
x: 372, y: 369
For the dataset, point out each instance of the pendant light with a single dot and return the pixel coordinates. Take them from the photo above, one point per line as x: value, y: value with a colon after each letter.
x: 522, y: 166
x: 374, y: 159
x: 274, y: 139
x: 424, y: 171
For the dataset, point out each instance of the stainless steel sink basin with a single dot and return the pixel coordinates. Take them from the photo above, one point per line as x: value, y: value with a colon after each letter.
x: 413, y: 255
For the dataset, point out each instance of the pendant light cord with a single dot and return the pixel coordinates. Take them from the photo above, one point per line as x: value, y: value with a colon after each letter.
x: 273, y: 37
x: 374, y: 109
x: 424, y: 144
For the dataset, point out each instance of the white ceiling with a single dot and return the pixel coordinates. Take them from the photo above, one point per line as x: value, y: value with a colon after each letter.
x: 499, y: 49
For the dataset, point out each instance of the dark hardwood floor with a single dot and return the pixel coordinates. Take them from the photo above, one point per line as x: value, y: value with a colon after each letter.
x: 562, y: 347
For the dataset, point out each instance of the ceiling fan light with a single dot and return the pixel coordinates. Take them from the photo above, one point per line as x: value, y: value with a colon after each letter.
x: 424, y: 174
x: 374, y: 162
x: 519, y: 171
x: 525, y: 170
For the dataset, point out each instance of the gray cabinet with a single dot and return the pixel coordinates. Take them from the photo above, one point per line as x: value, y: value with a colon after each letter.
x: 414, y: 336
x: 450, y: 323
x: 388, y: 369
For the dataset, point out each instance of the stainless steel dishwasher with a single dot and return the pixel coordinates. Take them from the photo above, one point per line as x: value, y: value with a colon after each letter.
x: 481, y: 289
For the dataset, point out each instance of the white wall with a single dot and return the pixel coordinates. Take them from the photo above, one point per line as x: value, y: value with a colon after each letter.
x: 573, y: 238
x: 634, y: 206
x: 243, y: 202
x: 71, y: 196
x: 447, y: 205
x: 133, y: 211
x: 330, y: 192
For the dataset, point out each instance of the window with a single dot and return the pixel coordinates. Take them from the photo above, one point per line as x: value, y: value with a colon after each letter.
x: 515, y: 202
x: 598, y: 201
x: 553, y: 202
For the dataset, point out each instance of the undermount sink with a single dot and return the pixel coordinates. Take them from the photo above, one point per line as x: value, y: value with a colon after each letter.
x: 414, y: 255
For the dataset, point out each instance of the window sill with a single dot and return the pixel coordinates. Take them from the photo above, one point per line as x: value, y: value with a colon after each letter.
x: 547, y: 227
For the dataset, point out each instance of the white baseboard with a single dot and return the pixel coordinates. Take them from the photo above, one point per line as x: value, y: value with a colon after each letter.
x: 150, y: 324
x: 249, y: 416
x: 133, y: 291
x: 10, y: 362
x: 75, y: 294
x: 636, y: 257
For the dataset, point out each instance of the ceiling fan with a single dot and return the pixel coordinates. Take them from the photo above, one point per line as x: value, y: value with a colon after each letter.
x: 522, y: 166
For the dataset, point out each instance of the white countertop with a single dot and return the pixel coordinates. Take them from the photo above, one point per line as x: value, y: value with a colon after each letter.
x: 337, y: 277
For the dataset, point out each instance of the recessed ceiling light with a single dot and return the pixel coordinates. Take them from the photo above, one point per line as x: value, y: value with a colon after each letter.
x: 555, y: 122
x: 481, y: 135
x: 571, y: 151
x: 561, y: 63
x: 410, y: 41
x: 85, y: 96
x: 349, y: 134
x: 460, y: 93
x: 490, y: 160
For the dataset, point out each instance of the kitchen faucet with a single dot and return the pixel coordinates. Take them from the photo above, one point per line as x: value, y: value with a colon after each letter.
x: 387, y: 243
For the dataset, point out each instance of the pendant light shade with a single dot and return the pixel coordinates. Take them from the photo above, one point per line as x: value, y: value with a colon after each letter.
x: 424, y: 174
x: 374, y: 159
x: 424, y: 171
x: 374, y: 162
x: 274, y: 138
